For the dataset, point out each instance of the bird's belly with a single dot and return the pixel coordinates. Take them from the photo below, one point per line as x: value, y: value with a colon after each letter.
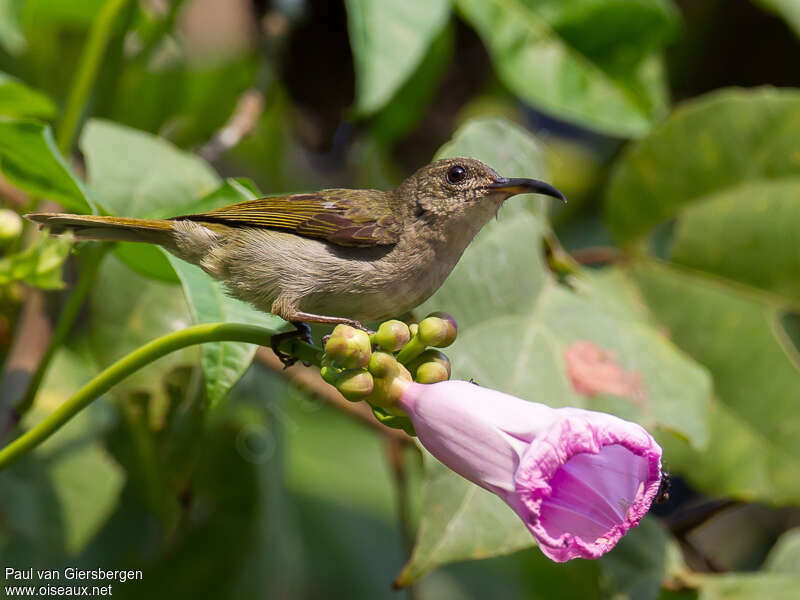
x: 366, y: 284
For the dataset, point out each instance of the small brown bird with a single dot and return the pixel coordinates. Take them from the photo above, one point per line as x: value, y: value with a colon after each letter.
x: 334, y: 256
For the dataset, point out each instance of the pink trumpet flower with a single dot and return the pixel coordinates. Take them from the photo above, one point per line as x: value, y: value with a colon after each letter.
x: 578, y: 479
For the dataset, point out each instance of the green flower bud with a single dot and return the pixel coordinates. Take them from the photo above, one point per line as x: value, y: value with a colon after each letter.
x: 382, y: 364
x: 441, y: 372
x: 390, y: 379
x: 348, y: 347
x: 431, y: 372
x: 413, y: 329
x: 438, y: 329
x: 392, y: 335
x: 10, y: 225
x: 355, y: 384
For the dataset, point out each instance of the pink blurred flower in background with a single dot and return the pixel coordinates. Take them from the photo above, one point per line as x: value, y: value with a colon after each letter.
x: 578, y: 479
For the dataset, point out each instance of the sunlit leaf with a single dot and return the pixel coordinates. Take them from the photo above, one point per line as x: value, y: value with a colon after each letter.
x: 586, y: 61
x: 389, y: 39
x: 19, y: 100
x: 710, y: 145
x: 30, y: 160
x: 136, y: 174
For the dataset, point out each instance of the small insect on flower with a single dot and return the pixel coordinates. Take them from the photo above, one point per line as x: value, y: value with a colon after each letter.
x: 662, y: 495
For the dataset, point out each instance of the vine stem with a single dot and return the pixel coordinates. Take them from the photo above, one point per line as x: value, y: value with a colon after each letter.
x: 144, y: 355
x: 92, y: 56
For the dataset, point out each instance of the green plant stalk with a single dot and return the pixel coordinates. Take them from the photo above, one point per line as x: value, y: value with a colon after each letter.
x: 88, y: 67
x: 92, y: 258
x: 144, y: 355
x: 411, y: 350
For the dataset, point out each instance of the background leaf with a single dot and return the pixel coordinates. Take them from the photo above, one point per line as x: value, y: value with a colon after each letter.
x: 755, y: 429
x: 138, y: 311
x: 19, y: 100
x: 389, y: 40
x: 735, y: 136
x: 223, y: 362
x: 569, y: 58
x: 135, y: 174
x: 11, y: 37
x: 39, y: 265
x: 788, y: 9
x: 30, y: 160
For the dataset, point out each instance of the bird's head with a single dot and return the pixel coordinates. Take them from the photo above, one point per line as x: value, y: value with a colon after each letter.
x: 466, y: 187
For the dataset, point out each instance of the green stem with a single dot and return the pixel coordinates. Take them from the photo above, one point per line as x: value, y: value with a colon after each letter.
x: 91, y: 58
x: 92, y: 256
x: 197, y: 334
x: 411, y: 350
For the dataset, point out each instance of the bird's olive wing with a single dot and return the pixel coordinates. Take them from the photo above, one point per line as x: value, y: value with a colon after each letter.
x: 338, y: 216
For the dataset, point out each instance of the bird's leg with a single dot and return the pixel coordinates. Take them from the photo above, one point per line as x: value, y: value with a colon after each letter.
x: 301, y: 330
x: 312, y: 318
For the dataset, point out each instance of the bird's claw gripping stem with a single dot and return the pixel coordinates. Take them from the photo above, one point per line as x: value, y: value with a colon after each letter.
x: 302, y: 330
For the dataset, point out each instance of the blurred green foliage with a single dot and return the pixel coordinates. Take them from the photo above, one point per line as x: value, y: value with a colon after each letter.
x: 677, y: 257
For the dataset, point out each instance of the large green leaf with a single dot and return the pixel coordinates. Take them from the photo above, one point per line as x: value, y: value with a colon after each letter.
x: 711, y: 145
x: 736, y: 332
x: 18, y: 100
x: 389, y: 40
x: 136, y: 174
x: 582, y: 60
x: 518, y: 330
x: 30, y: 160
x: 788, y: 9
x: 129, y: 310
x: 223, y: 362
x: 748, y: 234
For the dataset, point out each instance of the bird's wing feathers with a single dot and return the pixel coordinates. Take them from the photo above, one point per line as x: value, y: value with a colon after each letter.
x: 333, y: 215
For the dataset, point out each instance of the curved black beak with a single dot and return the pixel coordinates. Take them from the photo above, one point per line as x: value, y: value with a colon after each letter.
x: 520, y: 185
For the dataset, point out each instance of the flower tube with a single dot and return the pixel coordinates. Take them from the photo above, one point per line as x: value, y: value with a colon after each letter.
x: 578, y: 479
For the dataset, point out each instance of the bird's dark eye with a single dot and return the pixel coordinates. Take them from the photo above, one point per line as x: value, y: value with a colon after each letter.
x: 456, y: 174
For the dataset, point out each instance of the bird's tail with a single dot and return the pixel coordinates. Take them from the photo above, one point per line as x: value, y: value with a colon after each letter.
x: 120, y: 229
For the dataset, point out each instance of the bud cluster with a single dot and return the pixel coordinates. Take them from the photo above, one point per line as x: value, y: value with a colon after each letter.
x: 378, y: 367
